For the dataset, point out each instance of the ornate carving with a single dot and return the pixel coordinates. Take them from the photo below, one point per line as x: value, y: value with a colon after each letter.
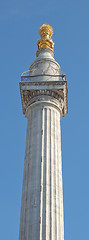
x: 29, y: 96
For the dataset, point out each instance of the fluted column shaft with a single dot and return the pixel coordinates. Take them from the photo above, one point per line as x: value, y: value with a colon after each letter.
x: 42, y: 196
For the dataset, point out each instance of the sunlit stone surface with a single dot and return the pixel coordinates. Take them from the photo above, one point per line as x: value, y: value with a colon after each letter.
x: 44, y: 102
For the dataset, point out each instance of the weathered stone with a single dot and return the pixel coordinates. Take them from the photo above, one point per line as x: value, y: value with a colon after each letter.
x: 44, y: 102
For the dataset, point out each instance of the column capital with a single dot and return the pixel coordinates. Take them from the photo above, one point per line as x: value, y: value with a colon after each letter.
x: 52, y: 92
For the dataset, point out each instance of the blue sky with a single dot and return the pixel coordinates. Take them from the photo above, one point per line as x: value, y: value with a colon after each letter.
x: 19, y: 24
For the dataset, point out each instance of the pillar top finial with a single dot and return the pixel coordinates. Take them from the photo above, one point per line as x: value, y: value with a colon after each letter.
x: 45, y: 31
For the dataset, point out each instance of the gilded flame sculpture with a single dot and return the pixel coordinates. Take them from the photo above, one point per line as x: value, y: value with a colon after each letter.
x: 45, y: 41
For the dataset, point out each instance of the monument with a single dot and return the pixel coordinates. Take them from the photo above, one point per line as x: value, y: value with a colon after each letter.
x: 44, y: 101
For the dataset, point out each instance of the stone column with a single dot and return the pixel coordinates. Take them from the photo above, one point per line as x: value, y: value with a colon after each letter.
x: 44, y: 101
x: 42, y: 197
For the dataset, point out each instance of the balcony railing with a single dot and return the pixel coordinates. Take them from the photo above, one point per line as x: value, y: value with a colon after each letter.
x: 29, y: 76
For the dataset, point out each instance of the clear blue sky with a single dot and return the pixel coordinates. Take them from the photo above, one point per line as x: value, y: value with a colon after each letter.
x: 19, y: 23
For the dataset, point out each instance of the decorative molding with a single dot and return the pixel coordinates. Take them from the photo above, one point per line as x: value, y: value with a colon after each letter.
x: 36, y: 92
x: 28, y: 97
